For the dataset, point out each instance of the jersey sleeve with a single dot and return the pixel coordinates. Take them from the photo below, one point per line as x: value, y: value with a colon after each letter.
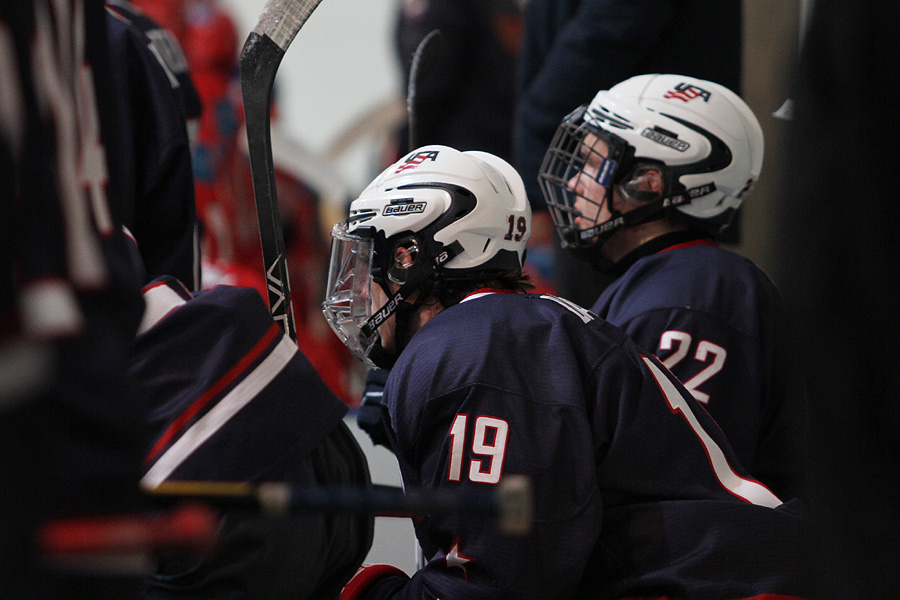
x: 160, y: 210
x: 216, y: 370
x: 734, y: 375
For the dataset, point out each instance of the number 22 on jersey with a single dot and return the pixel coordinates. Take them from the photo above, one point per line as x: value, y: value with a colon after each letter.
x: 708, y: 353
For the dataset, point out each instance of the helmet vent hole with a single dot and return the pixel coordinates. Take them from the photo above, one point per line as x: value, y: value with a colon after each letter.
x: 486, y: 244
x: 666, y: 132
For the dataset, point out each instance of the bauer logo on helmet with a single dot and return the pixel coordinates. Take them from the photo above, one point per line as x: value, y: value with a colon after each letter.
x: 396, y: 210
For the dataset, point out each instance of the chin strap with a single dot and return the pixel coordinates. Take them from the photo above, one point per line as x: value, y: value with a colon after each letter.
x: 643, y: 214
x: 398, y: 303
x: 403, y: 311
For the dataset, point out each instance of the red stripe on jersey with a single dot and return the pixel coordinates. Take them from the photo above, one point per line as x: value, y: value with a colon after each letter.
x: 691, y: 243
x: 759, y: 597
x: 200, y: 403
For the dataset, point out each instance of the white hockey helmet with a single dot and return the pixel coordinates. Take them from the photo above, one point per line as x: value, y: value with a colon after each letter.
x: 702, y: 137
x: 437, y: 214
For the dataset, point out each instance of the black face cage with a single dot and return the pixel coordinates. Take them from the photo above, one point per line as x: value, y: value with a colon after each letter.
x: 564, y: 161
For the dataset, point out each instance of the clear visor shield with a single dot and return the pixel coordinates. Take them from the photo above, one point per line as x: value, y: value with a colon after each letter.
x: 577, y: 178
x: 348, y: 298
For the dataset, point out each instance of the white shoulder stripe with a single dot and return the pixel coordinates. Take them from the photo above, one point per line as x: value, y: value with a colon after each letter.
x: 749, y: 490
x: 478, y: 295
x: 221, y: 413
x: 159, y: 301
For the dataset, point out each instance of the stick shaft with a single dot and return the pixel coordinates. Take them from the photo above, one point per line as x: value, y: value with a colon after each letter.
x: 287, y: 498
x: 509, y: 502
x: 261, y: 55
x: 280, y: 20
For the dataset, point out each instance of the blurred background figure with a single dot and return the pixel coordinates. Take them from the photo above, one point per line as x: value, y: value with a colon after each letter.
x: 72, y: 428
x: 161, y: 107
x: 466, y: 99
x: 572, y: 48
x: 836, y: 245
x: 224, y: 189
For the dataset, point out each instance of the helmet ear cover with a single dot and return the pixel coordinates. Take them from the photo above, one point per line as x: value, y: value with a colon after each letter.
x: 419, y: 252
x: 674, y: 193
x: 405, y: 257
x: 635, y: 185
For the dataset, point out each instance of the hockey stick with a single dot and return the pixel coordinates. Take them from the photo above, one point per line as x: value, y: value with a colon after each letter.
x: 263, y: 50
x: 510, y: 502
x: 126, y: 544
x: 423, y: 61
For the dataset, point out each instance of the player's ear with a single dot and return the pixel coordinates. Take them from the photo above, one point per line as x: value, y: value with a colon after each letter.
x: 645, y: 184
x: 403, y: 260
x: 652, y: 180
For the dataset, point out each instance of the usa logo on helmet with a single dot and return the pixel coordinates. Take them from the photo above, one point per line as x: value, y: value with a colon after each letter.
x: 416, y: 159
x: 687, y: 92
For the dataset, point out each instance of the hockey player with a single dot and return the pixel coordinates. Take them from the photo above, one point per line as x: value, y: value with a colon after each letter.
x: 639, y: 182
x: 232, y: 398
x: 72, y: 428
x: 636, y: 491
x: 157, y: 104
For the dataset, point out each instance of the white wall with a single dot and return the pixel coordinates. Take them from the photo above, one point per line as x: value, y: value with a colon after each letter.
x: 340, y: 65
x: 395, y: 539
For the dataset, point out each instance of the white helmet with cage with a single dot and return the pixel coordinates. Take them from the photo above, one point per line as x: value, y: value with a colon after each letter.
x: 702, y: 138
x: 437, y: 214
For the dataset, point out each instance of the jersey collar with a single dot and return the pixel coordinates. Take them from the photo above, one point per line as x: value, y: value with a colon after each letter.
x: 663, y: 243
x: 486, y: 292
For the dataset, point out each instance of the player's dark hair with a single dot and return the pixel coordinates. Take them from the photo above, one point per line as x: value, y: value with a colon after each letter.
x: 451, y: 291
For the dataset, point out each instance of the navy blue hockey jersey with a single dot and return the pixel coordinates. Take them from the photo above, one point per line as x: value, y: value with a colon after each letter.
x: 70, y: 303
x: 637, y: 492
x: 154, y: 156
x: 231, y: 398
x: 715, y: 319
x: 163, y: 45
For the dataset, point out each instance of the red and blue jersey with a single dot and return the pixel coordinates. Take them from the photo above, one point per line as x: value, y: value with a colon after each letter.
x: 717, y: 321
x: 637, y: 491
x: 230, y: 397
